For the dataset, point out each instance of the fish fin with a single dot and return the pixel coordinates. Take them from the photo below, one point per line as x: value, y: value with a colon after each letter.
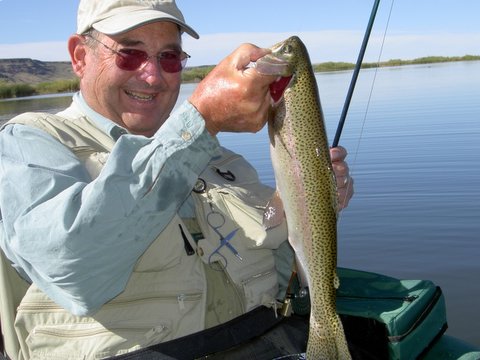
x: 336, y: 281
x: 274, y: 213
x: 334, y: 190
x: 301, y: 273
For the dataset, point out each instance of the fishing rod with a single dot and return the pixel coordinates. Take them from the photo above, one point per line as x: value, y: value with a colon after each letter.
x: 358, y: 65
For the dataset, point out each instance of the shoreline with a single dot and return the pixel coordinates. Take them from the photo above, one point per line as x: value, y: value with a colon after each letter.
x: 196, y: 74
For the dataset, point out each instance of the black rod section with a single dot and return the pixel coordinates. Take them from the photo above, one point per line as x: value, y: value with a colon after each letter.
x: 358, y: 65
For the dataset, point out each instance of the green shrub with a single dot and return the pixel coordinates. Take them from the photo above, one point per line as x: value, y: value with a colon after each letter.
x: 15, y: 90
x: 196, y: 74
x: 332, y: 66
x: 60, y: 86
x: 6, y: 91
x: 22, y: 90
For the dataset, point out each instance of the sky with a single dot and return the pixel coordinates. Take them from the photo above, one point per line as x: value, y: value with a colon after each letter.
x: 332, y: 30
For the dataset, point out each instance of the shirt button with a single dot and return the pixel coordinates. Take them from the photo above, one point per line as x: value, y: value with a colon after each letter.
x: 186, y: 135
x: 200, y: 251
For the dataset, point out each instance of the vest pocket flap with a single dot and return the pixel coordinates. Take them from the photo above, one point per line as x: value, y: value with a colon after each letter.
x: 165, y: 252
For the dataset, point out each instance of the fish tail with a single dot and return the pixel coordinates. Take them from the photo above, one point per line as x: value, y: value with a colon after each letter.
x: 343, y: 353
x: 327, y: 344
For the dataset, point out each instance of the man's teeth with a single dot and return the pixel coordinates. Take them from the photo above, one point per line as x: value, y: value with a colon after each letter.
x: 140, y: 96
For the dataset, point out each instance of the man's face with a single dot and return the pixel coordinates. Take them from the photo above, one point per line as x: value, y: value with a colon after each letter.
x: 139, y: 100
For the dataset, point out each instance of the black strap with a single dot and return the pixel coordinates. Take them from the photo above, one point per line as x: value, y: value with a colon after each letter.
x: 216, y: 339
x: 2, y: 348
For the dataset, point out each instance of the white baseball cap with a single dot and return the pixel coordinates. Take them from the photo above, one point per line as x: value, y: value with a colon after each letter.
x: 117, y: 16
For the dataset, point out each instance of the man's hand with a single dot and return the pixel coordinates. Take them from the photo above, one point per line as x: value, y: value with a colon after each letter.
x: 344, y: 181
x: 234, y: 97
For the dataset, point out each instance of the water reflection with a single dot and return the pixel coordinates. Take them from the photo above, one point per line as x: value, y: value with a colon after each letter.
x: 416, y: 205
x: 44, y: 103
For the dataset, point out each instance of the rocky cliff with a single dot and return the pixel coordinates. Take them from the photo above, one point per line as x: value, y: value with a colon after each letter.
x: 33, y: 72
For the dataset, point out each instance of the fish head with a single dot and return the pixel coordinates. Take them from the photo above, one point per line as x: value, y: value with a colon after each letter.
x: 286, y: 59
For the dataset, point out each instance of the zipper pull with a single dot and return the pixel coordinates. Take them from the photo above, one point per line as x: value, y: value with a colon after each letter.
x: 155, y: 331
x: 181, y: 301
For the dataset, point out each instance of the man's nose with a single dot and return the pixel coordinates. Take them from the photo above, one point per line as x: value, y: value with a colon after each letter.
x: 152, y: 72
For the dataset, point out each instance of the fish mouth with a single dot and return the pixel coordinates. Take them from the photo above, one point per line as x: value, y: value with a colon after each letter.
x: 272, y: 64
x: 278, y: 87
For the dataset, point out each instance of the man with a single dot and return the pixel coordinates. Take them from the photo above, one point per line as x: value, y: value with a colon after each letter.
x: 114, y: 250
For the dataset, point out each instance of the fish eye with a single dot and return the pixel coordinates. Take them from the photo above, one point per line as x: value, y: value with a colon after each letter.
x: 287, y: 49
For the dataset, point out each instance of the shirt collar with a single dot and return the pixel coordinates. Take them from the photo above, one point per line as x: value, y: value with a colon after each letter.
x: 106, y: 125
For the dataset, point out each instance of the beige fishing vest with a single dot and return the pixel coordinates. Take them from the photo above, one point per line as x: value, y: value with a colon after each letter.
x: 166, y: 295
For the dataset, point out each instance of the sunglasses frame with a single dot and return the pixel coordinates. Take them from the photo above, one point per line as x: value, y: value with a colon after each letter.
x: 144, y: 57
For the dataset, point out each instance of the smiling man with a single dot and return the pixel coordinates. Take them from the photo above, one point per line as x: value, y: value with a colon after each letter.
x: 115, y: 212
x: 137, y: 93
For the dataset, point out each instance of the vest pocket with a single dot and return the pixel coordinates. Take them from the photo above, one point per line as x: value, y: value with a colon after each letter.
x: 91, y: 340
x: 248, y: 212
x: 260, y: 289
x: 121, y: 326
x: 165, y: 252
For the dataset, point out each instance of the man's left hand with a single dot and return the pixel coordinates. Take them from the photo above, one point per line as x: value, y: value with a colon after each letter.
x: 344, y: 180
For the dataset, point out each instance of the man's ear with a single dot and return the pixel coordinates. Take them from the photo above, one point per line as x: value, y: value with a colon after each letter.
x: 77, y: 50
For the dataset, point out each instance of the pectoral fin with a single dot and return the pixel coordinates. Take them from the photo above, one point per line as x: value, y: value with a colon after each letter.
x: 301, y: 273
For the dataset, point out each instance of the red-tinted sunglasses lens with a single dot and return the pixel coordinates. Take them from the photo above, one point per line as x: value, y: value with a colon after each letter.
x: 172, y: 61
x: 132, y: 59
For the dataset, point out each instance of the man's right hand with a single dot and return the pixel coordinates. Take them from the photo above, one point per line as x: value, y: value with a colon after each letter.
x: 234, y: 97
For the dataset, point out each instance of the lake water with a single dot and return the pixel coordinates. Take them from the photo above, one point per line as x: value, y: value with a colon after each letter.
x: 415, y: 156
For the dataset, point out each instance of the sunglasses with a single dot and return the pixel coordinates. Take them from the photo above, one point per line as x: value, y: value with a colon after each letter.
x: 171, y: 61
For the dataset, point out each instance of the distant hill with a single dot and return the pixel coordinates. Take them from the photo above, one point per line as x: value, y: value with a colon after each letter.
x: 33, y: 72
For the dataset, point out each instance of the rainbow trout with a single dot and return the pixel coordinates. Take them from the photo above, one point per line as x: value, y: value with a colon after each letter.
x: 306, y: 189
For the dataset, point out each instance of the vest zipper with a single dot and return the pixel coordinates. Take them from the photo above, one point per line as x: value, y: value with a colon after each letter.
x: 256, y: 276
x: 77, y: 333
x: 180, y: 298
x: 408, y: 298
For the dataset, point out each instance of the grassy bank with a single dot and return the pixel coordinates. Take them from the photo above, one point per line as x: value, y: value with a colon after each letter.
x: 8, y: 90
x: 339, y: 66
x: 196, y: 74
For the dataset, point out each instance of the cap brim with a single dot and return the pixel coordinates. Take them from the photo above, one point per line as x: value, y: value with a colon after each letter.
x: 121, y: 23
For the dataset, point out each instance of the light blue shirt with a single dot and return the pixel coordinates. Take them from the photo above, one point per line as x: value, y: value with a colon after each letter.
x: 78, y: 238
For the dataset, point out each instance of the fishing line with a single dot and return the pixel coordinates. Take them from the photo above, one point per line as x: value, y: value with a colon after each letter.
x: 337, y: 137
x: 356, y: 71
